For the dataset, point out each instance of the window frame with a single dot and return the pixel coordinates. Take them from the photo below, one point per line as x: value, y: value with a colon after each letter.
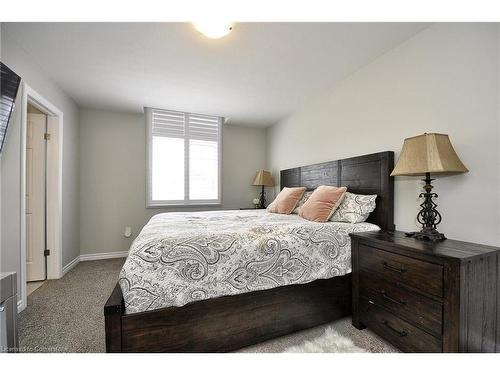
x: 150, y: 203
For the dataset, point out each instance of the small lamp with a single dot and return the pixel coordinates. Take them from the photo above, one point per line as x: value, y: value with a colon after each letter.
x: 422, y: 155
x: 263, y: 178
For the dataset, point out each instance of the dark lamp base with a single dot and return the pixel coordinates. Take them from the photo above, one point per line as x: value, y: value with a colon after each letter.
x: 427, y: 235
x: 262, y: 200
x: 428, y: 216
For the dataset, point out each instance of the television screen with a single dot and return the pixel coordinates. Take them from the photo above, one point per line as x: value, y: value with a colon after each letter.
x: 9, y: 84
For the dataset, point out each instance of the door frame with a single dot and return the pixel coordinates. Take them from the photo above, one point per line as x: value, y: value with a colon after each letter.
x: 54, y: 214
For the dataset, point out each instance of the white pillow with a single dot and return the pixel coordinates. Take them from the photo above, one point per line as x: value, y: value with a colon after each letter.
x: 355, y: 208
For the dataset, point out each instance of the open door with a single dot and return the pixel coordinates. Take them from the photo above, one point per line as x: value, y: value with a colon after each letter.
x: 35, y: 196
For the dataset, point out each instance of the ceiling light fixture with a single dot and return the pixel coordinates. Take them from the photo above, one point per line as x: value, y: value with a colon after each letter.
x: 213, y: 29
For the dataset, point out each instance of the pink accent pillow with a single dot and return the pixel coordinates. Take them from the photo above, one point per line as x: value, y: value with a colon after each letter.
x: 286, y: 200
x: 322, y: 203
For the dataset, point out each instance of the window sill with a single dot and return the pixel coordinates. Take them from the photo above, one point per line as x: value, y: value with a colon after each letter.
x: 178, y: 205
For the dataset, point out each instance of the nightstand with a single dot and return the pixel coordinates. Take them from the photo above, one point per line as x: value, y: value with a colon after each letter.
x: 248, y: 208
x: 426, y: 296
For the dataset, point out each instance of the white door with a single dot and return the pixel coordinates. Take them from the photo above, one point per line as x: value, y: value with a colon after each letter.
x: 35, y: 196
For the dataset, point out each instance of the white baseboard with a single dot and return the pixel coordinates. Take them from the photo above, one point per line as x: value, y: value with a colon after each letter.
x: 98, y: 256
x: 68, y: 267
x: 20, y: 306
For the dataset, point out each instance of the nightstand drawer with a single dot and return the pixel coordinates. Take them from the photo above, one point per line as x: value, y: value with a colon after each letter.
x: 424, y: 276
x: 413, y: 307
x: 399, y: 332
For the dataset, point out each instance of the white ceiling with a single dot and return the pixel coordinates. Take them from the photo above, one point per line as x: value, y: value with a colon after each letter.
x: 255, y: 76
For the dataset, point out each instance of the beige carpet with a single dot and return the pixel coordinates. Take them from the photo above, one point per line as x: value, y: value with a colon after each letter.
x: 66, y: 315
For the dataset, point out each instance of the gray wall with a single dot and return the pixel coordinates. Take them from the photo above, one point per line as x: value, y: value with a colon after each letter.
x: 24, y: 65
x: 445, y: 79
x: 112, y: 193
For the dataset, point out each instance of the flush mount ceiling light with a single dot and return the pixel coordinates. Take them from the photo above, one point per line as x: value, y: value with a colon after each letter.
x: 213, y: 29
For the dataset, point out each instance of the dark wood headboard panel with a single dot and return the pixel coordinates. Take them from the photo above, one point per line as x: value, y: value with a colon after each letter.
x: 367, y: 174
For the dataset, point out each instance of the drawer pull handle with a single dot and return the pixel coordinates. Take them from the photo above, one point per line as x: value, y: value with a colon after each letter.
x: 392, y: 268
x: 400, y: 333
x: 384, y: 294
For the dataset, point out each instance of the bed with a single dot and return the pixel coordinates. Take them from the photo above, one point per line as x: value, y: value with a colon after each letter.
x: 220, y: 280
x: 184, y: 257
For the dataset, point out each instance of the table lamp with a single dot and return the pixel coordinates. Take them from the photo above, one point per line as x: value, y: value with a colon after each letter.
x: 423, y: 155
x: 263, y: 178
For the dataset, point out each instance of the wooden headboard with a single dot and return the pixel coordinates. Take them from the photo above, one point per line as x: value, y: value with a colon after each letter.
x: 367, y: 174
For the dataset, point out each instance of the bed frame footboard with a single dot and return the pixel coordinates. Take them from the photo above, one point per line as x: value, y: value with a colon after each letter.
x: 226, y: 323
x: 114, y: 309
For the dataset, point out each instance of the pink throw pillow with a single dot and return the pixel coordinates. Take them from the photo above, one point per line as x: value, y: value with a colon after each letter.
x: 322, y: 203
x: 286, y: 200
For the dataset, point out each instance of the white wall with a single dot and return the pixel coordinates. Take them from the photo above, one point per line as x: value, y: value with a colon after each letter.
x: 112, y: 194
x: 24, y: 65
x: 445, y: 79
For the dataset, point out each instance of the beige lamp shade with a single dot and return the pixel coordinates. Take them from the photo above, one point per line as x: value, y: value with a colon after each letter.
x: 428, y: 153
x: 263, y: 178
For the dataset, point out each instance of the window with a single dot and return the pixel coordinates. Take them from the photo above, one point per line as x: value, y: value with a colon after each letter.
x: 184, y: 158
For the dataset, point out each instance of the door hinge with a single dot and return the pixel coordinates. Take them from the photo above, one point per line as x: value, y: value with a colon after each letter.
x: 46, y: 136
x: 46, y: 252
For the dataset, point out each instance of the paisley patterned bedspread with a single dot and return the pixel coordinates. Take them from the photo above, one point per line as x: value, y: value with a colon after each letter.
x: 184, y: 257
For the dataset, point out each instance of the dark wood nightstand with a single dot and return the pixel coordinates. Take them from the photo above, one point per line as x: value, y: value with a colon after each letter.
x: 426, y: 296
x: 248, y: 208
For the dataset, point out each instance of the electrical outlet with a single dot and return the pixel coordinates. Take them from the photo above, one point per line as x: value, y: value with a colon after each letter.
x: 128, y: 232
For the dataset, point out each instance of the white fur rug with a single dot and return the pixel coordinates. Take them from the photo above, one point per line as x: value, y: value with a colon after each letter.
x: 329, y: 342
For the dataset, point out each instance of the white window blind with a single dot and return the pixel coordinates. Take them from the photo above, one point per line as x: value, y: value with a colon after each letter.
x: 184, y: 158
